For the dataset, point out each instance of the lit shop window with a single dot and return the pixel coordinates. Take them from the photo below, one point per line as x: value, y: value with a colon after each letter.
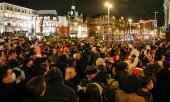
x: 54, y: 18
x: 5, y: 23
x: 6, y: 15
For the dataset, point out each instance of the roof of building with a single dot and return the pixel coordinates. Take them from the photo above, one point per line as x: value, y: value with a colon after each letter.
x: 42, y: 12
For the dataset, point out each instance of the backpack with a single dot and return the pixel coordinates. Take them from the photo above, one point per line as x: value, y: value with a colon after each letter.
x: 110, y: 89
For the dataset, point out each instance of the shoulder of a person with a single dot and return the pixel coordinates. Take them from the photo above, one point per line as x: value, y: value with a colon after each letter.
x: 135, y: 98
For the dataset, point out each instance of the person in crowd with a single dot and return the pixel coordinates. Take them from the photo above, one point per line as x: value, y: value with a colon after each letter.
x: 38, y: 64
x: 167, y: 54
x: 93, y: 93
x: 12, y: 54
x: 91, y: 72
x: 56, y: 90
x: 95, y: 74
x: 9, y: 89
x: 138, y: 72
x: 121, y: 73
x: 145, y: 89
x: 35, y: 90
x: 27, y: 67
x: 3, y: 57
x: 81, y: 63
x: 129, y: 93
x: 94, y: 56
x: 147, y: 53
x: 162, y: 88
x: 44, y: 68
x: 70, y: 78
x: 53, y: 58
x: 151, y: 70
x: 19, y: 53
x: 133, y: 59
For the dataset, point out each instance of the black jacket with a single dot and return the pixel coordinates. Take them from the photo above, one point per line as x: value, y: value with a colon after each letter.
x: 34, y: 99
x: 58, y: 92
x: 11, y: 92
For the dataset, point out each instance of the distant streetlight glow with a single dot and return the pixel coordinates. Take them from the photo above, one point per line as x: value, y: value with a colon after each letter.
x: 98, y: 28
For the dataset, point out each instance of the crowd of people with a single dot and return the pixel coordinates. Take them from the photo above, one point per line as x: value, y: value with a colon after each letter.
x: 49, y: 70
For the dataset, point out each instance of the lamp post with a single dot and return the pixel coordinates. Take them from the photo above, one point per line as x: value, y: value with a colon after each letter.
x: 155, y: 25
x: 108, y: 5
x: 130, y: 22
x: 98, y: 29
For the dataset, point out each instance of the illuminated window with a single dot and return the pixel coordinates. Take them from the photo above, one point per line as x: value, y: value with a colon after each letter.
x: 6, y: 15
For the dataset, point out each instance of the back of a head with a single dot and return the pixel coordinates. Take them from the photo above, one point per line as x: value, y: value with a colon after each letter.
x: 35, y: 86
x: 91, y: 70
x: 92, y: 93
x: 54, y: 75
x: 122, y: 66
x: 145, y: 81
x: 131, y: 84
x: 100, y: 61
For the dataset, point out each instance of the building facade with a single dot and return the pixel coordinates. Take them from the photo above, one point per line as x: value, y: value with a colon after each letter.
x: 167, y: 18
x: 77, y: 27
x: 15, y: 18
x: 46, y: 22
x: 99, y: 27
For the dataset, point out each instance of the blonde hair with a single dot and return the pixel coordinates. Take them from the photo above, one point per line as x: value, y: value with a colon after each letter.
x: 69, y: 72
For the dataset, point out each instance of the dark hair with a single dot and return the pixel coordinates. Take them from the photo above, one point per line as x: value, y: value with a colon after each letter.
x: 11, y: 52
x: 44, y: 68
x: 122, y: 66
x: 18, y: 50
x: 13, y: 63
x: 54, y: 75
x: 35, y: 86
x: 145, y: 81
x: 92, y: 93
x: 166, y: 65
x: 37, y: 65
x: 131, y: 84
x: 3, y: 72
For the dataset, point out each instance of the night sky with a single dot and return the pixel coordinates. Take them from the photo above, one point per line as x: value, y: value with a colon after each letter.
x: 136, y: 9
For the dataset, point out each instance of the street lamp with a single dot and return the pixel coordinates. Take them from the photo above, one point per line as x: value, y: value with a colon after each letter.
x: 130, y: 22
x: 108, y: 5
x: 98, y: 29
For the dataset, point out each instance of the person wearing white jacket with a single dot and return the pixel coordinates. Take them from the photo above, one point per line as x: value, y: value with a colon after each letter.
x: 132, y: 60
